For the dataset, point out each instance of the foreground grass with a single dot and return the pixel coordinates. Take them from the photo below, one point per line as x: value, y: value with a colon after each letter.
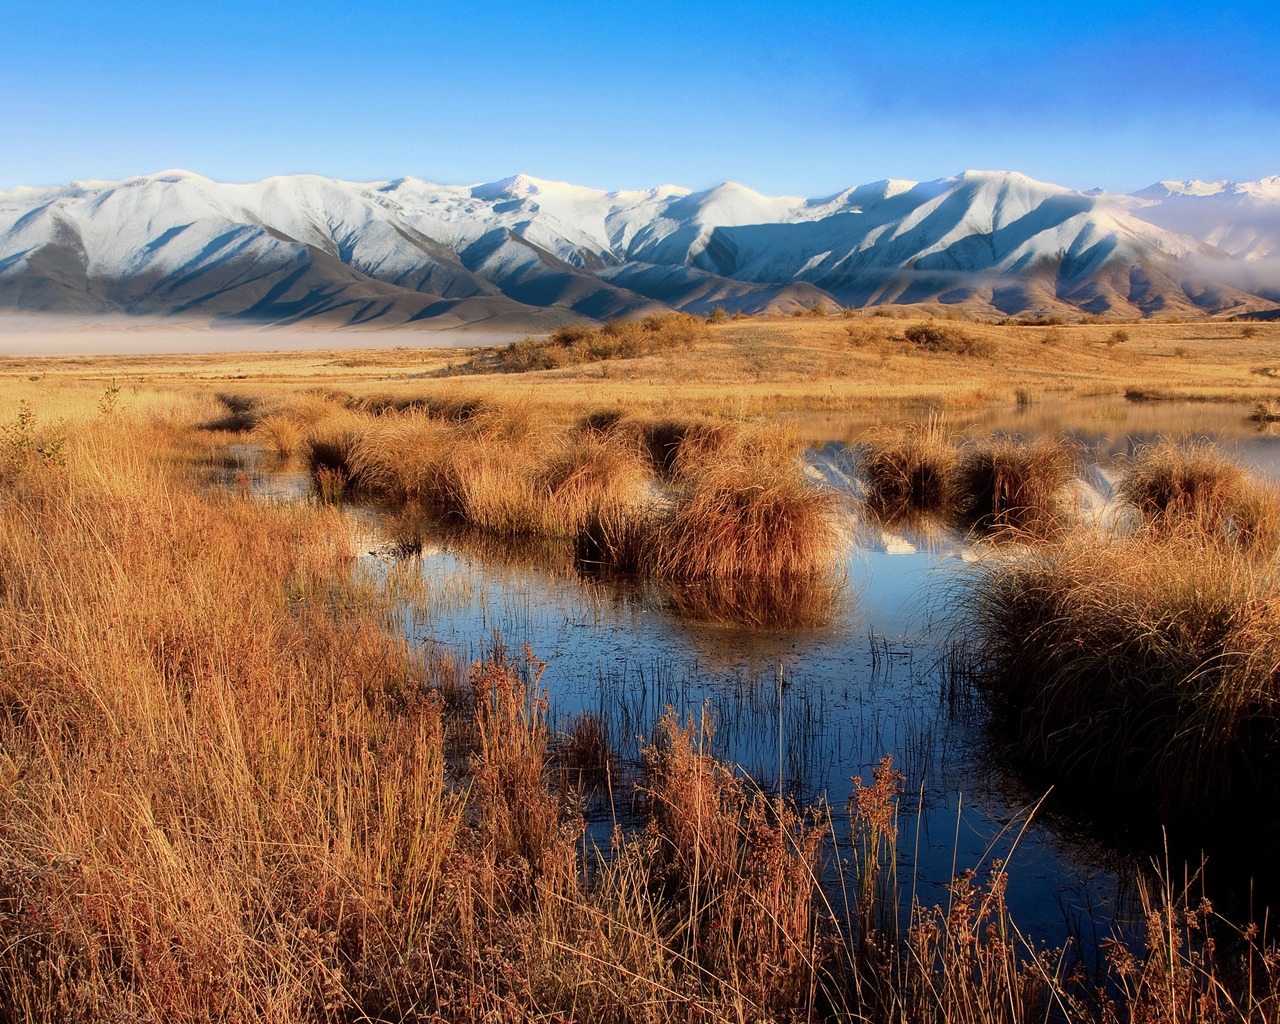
x: 228, y: 790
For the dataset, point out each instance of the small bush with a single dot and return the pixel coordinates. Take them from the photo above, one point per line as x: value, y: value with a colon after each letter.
x: 617, y: 339
x: 943, y: 337
x: 1117, y: 337
x: 1249, y: 332
x: 717, y: 316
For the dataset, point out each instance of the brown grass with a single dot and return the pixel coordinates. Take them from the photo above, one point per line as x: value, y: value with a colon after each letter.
x: 1009, y: 484
x: 1174, y: 484
x: 910, y: 471
x: 1147, y: 663
x: 737, y: 505
x: 224, y: 795
x: 748, y: 513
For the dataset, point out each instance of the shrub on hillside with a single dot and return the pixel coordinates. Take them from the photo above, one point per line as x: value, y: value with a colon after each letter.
x: 943, y: 337
x: 617, y: 339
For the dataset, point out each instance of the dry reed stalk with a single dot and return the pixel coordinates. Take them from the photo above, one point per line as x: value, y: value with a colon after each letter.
x: 1008, y: 484
x: 746, y: 866
x: 910, y: 470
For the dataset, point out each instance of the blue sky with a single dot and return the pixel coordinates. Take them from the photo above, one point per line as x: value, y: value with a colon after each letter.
x: 797, y: 98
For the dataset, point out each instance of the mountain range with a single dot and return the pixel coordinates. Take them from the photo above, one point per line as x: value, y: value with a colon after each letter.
x: 527, y: 254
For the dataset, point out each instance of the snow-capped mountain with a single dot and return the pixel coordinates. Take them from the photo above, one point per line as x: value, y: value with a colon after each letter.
x: 1241, y: 219
x: 523, y: 253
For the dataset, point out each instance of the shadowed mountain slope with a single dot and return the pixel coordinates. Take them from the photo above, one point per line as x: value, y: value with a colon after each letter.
x: 531, y: 254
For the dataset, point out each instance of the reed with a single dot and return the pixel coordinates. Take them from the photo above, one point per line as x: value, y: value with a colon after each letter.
x: 1009, y: 484
x: 910, y: 471
x: 1148, y: 664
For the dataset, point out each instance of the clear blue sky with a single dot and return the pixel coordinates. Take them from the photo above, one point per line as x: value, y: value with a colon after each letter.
x: 797, y: 98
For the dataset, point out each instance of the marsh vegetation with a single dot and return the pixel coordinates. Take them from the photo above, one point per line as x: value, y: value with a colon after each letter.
x: 233, y: 786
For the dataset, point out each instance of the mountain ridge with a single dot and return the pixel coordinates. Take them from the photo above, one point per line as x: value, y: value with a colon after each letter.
x: 407, y: 251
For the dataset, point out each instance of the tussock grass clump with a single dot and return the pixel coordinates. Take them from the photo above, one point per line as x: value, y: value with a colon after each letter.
x: 1148, y: 663
x: 279, y: 434
x: 552, y: 486
x: 584, y: 748
x: 1173, y: 484
x: 910, y: 470
x: 749, y: 512
x: 617, y: 339
x: 936, y: 336
x: 440, y: 407
x: 738, y: 504
x: 1266, y: 411
x: 240, y: 412
x: 1009, y: 484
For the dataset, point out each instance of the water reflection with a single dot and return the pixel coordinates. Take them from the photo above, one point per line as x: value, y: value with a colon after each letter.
x: 802, y: 702
x: 811, y: 684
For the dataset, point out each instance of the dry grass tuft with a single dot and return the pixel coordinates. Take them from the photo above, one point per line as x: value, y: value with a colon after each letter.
x: 745, y: 866
x: 1173, y: 484
x: 584, y: 751
x: 1009, y: 484
x: 910, y: 471
x: 748, y: 513
x: 279, y: 434
x: 1148, y: 663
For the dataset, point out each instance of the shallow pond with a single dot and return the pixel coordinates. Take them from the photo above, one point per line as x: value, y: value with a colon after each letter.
x: 807, y: 708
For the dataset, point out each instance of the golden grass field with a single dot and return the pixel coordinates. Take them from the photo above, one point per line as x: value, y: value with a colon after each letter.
x: 745, y: 366
x: 230, y: 790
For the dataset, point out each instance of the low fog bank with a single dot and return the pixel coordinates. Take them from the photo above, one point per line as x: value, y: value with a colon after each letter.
x: 26, y: 334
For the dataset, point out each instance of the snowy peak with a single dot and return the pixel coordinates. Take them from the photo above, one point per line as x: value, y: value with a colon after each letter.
x: 530, y: 250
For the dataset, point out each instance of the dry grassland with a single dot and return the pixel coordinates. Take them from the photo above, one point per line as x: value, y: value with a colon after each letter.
x: 229, y: 790
x: 740, y: 367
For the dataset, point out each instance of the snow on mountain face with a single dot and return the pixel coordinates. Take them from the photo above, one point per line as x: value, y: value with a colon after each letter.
x: 523, y: 250
x: 1241, y: 219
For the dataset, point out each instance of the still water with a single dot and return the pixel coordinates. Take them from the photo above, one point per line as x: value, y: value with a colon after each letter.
x: 808, y: 708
